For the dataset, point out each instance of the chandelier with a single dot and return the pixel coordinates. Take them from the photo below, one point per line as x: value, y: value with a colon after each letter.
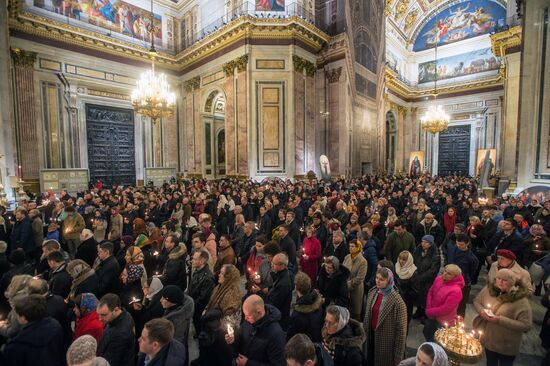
x: 152, y: 96
x: 435, y: 120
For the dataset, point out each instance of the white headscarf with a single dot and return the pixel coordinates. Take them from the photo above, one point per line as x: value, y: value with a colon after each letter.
x: 405, y: 272
x: 343, y: 319
x: 154, y: 288
x: 440, y: 357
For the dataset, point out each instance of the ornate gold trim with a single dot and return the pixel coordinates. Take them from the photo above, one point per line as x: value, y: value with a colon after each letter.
x: 502, y: 41
x: 23, y: 58
x: 399, y: 88
x: 192, y: 84
x: 240, y: 63
x: 246, y: 27
x: 301, y: 64
x: 333, y: 75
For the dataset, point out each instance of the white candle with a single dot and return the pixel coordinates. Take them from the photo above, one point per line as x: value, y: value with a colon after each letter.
x: 230, y: 331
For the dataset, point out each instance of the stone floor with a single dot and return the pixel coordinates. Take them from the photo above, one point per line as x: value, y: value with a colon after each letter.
x: 531, y: 350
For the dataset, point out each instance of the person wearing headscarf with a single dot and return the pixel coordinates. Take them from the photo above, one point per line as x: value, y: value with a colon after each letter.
x: 504, y: 315
x: 406, y: 277
x: 333, y: 282
x: 428, y: 354
x: 227, y: 295
x: 87, y: 250
x: 83, y: 353
x: 134, y: 256
x: 426, y: 258
x: 385, y: 322
x: 342, y: 337
x: 140, y: 233
x: 18, y: 288
x: 87, y: 320
x: 357, y: 266
x: 443, y: 299
x: 84, y: 278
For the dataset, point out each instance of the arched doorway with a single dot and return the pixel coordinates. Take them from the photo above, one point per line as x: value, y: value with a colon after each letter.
x: 391, y: 136
x: 214, y: 135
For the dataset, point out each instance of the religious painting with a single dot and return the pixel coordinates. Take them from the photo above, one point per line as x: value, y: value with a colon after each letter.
x: 461, y: 21
x: 114, y: 15
x: 416, y: 163
x: 486, y: 154
x: 270, y: 5
x: 459, y: 65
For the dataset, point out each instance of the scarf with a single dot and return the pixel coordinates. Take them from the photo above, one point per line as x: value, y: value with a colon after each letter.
x: 343, y: 320
x: 440, y: 356
x: 88, y: 303
x: 407, y: 270
x: 154, y: 288
x: 227, y: 295
x: 358, y: 249
x: 135, y: 271
x: 389, y: 287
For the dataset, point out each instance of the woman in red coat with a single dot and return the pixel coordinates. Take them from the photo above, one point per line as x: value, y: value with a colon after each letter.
x: 311, y: 252
x: 87, y: 320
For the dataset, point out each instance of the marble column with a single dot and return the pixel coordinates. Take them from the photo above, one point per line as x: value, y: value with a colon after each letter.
x: 509, y: 132
x: 230, y: 130
x: 299, y: 122
x: 170, y: 143
x: 25, y: 118
x: 157, y: 143
x: 310, y: 124
x: 335, y: 120
x: 304, y: 102
x: 242, y: 124
x: 191, y: 126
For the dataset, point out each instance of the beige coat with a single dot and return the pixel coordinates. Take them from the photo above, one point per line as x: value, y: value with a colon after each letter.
x: 522, y: 274
x: 515, y: 314
x: 356, y: 282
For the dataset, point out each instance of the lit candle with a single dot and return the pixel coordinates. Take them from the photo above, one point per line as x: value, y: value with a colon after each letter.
x: 230, y: 331
x: 19, y: 171
x: 155, y: 253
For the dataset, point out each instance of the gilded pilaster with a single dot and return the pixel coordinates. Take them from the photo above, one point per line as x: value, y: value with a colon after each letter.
x: 25, y: 117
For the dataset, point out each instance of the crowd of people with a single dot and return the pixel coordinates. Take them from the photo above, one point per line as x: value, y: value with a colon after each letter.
x: 270, y: 273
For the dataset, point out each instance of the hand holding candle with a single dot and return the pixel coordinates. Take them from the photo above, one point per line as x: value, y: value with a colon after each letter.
x: 230, y: 331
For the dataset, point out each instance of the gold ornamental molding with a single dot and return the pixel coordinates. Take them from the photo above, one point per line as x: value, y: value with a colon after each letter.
x: 502, y: 41
x: 192, y: 84
x: 240, y: 63
x: 333, y: 75
x: 245, y: 27
x: 301, y: 64
x: 410, y: 92
x: 23, y: 58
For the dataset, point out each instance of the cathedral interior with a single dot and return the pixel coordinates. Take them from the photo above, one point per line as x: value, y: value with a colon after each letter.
x: 264, y: 88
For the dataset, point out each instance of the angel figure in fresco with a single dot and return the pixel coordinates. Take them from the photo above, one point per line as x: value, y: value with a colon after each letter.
x: 459, y: 18
x: 440, y: 29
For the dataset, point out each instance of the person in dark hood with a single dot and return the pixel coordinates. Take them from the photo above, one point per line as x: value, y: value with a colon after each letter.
x: 260, y: 339
x: 332, y: 283
x: 178, y: 309
x: 307, y: 313
x: 343, y: 337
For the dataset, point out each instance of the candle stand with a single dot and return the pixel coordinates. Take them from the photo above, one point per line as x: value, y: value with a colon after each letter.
x: 461, y: 347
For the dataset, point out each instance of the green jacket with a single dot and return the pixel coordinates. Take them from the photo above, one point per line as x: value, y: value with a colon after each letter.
x: 395, y: 244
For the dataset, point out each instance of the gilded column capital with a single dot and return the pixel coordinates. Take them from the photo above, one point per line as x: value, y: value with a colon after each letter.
x: 414, y: 109
x: 13, y: 8
x: 402, y: 109
x: 239, y: 63
x: 301, y: 64
x: 192, y: 84
x: 502, y: 41
x: 23, y: 58
x: 389, y: 4
x: 333, y: 75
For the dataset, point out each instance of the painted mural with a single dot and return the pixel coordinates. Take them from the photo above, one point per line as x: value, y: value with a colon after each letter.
x: 114, y: 15
x: 461, y: 21
x: 459, y: 65
x: 270, y: 5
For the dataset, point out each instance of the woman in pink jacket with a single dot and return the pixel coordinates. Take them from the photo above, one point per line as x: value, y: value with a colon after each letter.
x: 311, y: 252
x: 443, y: 299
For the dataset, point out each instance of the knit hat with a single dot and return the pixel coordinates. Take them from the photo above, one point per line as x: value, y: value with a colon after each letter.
x: 173, y: 294
x: 429, y: 238
x: 76, y: 267
x: 127, y: 240
x: 82, y: 350
x: 506, y: 254
x: 88, y: 303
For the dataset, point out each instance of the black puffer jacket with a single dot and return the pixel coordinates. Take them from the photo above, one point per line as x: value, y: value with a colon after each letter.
x: 262, y: 342
x: 307, y: 316
x: 174, y: 270
x: 118, y: 341
x: 334, y: 288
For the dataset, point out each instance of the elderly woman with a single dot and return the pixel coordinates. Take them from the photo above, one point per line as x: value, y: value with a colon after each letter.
x: 426, y: 259
x: 17, y: 288
x: 428, y: 354
x: 342, y: 337
x: 536, y: 243
x: 385, y: 322
x: 357, y: 267
x: 87, y: 320
x: 332, y: 282
x: 443, y: 299
x: 407, y: 275
x: 504, y: 315
x: 227, y: 296
x: 84, y: 278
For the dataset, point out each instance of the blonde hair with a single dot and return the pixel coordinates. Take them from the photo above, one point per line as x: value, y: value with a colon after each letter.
x: 453, y: 269
x: 18, y: 285
x: 404, y: 255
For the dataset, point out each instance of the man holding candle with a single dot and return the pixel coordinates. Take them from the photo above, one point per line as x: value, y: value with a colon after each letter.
x: 72, y: 227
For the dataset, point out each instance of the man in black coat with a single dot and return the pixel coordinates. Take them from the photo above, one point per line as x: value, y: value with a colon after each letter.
x: 201, y: 285
x: 506, y: 239
x: 108, y: 270
x: 265, y: 223
x: 288, y: 245
x: 307, y: 312
x: 117, y: 344
x: 469, y: 264
x: 174, y: 270
x: 40, y: 341
x: 158, y: 347
x: 59, y: 279
x: 338, y: 248
x: 87, y: 250
x: 249, y: 240
x: 429, y: 226
x: 22, y: 235
x: 260, y: 339
x: 293, y: 227
x: 280, y: 293
x: 489, y: 225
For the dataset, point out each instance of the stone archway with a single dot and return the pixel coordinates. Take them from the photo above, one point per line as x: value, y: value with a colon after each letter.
x: 213, y: 149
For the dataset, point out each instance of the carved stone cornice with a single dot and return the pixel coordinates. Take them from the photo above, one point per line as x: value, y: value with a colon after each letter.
x: 402, y: 109
x: 192, y: 84
x: 413, y: 92
x: 389, y: 4
x: 333, y: 75
x: 243, y: 28
x: 13, y: 8
x: 23, y: 58
x: 503, y: 41
x: 240, y: 63
x: 301, y: 64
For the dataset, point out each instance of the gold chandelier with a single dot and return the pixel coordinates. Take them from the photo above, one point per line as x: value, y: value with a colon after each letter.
x: 152, y: 97
x: 435, y: 120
